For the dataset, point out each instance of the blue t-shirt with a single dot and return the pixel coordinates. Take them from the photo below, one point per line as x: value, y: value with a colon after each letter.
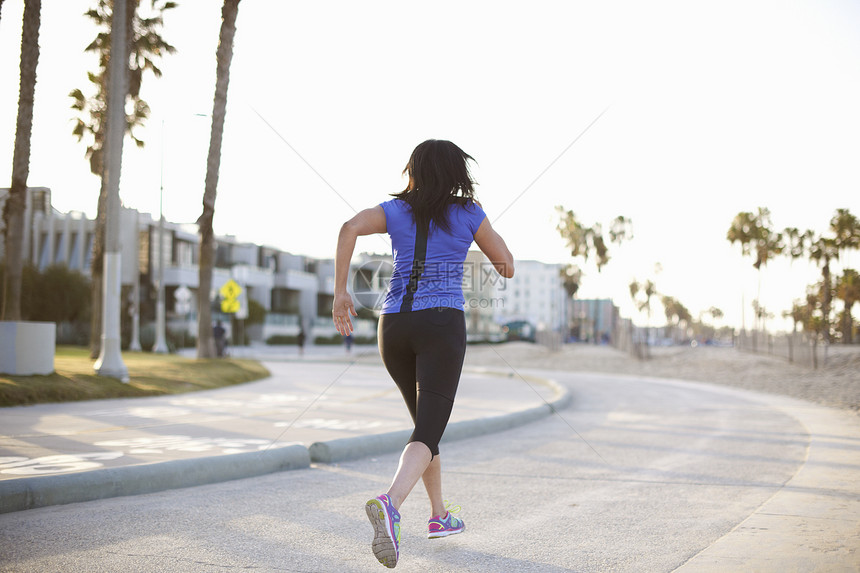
x: 428, y: 271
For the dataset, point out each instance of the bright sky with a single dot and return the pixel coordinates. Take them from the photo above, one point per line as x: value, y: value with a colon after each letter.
x: 711, y: 109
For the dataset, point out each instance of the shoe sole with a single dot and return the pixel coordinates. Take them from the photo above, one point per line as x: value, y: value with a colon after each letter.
x: 383, y: 544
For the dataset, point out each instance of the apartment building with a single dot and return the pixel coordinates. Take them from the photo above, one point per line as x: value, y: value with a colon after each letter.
x: 296, y: 291
x: 535, y: 295
x: 595, y: 320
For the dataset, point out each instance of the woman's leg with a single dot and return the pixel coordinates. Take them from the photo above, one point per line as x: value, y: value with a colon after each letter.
x: 415, y: 456
x: 413, y: 464
x: 438, y: 367
x: 418, y: 459
x: 432, y: 478
x: 425, y: 363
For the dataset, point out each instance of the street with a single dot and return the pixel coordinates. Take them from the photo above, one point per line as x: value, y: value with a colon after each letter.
x: 636, y: 475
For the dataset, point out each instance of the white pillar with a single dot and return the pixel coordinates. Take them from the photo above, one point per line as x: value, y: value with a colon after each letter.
x: 160, y: 326
x: 135, y: 302
x: 51, y: 240
x: 82, y: 244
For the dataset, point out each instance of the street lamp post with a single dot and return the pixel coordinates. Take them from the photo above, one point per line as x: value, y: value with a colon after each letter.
x: 135, y: 301
x: 160, y: 338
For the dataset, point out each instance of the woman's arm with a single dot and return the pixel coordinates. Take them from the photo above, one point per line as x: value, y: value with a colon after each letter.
x: 493, y: 245
x: 367, y: 222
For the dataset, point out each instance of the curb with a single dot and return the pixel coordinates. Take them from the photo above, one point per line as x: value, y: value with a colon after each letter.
x: 33, y: 492
x: 345, y: 449
x: 30, y: 493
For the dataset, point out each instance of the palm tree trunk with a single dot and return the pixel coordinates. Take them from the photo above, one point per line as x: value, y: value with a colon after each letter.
x: 849, y: 324
x: 13, y: 211
x: 224, y: 55
x: 97, y: 268
x: 825, y: 304
x: 97, y: 167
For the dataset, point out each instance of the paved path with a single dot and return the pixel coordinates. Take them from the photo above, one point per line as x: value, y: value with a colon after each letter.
x: 300, y: 403
x: 305, y: 411
x: 636, y: 475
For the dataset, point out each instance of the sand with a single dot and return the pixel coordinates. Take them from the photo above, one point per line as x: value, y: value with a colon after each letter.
x: 836, y: 384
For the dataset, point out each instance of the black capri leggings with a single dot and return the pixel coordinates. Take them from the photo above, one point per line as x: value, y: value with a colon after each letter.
x: 423, y: 352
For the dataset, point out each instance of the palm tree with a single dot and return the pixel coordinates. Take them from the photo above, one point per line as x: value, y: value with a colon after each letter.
x: 762, y: 313
x: 648, y: 289
x: 634, y: 289
x: 672, y: 309
x: 796, y: 315
x: 846, y: 228
x: 571, y: 278
x: 742, y: 230
x: 13, y: 210
x: 753, y: 232
x: 145, y: 46
x: 822, y: 251
x: 769, y: 243
x: 223, y: 56
x: 814, y: 323
x: 797, y: 242
x: 582, y: 240
x: 621, y: 229
x: 716, y: 313
x: 685, y: 318
x: 848, y: 290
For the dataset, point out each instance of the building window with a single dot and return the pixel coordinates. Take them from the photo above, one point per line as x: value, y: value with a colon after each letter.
x: 184, y: 254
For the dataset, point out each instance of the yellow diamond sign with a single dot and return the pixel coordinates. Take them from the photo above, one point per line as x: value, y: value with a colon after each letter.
x: 231, y: 290
x: 229, y: 305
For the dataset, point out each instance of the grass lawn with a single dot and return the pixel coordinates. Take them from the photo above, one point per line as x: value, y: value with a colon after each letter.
x: 149, y: 375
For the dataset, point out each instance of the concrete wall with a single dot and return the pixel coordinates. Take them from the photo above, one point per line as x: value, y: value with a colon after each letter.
x: 27, y: 347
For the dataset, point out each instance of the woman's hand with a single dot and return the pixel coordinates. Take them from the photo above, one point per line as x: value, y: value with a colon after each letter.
x: 366, y: 222
x: 341, y: 311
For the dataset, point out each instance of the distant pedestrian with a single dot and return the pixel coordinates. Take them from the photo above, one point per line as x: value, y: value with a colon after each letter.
x: 422, y: 328
x: 347, y: 340
x: 300, y: 340
x: 219, y: 335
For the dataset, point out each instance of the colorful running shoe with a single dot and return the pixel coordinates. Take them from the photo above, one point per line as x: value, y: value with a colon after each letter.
x: 386, y: 529
x: 439, y: 527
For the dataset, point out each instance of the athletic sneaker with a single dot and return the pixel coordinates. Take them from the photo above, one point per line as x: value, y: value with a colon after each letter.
x: 438, y: 527
x: 386, y: 529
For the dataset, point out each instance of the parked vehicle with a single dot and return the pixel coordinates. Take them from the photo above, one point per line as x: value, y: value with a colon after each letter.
x: 519, y: 330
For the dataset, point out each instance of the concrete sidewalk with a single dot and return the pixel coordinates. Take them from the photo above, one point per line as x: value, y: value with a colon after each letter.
x: 305, y: 412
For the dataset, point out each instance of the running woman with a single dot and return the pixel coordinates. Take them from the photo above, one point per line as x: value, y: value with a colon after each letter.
x: 422, y: 328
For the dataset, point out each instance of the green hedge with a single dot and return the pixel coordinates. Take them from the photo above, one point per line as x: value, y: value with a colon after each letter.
x: 282, y: 339
x: 333, y: 340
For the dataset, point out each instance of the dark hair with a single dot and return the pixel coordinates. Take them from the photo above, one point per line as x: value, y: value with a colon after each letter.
x: 438, y: 176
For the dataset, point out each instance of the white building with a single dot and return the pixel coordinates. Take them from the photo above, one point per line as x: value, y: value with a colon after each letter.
x: 296, y: 291
x: 535, y: 294
x: 595, y: 320
x: 293, y: 289
x: 480, y: 281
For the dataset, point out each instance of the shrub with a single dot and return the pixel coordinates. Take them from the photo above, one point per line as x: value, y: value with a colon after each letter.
x: 281, y: 339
